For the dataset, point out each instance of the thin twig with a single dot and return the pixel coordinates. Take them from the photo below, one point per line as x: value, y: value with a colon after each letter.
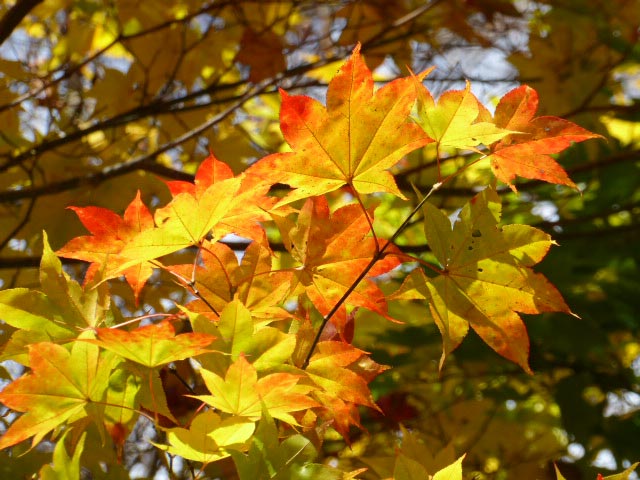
x: 378, y: 255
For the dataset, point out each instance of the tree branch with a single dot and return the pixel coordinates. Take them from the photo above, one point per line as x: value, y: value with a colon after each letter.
x: 14, y: 16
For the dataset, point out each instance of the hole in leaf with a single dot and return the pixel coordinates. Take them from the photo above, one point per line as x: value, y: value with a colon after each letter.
x: 476, y: 233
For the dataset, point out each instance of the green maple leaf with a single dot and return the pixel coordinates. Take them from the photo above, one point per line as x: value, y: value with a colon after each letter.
x: 62, y: 386
x: 456, y: 120
x: 52, y: 313
x: 290, y: 460
x: 209, y: 437
x: 64, y: 467
x: 240, y: 392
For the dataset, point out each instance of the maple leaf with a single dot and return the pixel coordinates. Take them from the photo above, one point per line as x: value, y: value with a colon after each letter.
x: 208, y: 437
x: 334, y: 249
x: 409, y: 469
x: 121, y: 401
x: 266, y: 346
x: 486, y: 278
x: 458, y: 119
x: 240, y: 392
x: 36, y: 317
x: 62, y: 386
x: 528, y: 154
x: 54, y: 313
x: 290, y: 459
x: 450, y: 472
x: 343, y: 373
x: 353, y: 141
x: 188, y: 218
x: 329, y: 368
x: 149, y: 347
x: 250, y: 203
x: 109, y: 235
x: 152, y: 345
x: 64, y: 467
x: 239, y: 333
x: 79, y: 306
x: 263, y: 53
x: 417, y: 460
x: 220, y: 279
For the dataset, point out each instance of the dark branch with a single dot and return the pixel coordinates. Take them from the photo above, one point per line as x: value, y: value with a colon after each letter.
x: 146, y: 163
x: 14, y: 16
x: 7, y: 263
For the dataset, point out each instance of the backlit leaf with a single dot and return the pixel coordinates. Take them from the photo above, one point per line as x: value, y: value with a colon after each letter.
x: 240, y: 392
x: 336, y: 368
x: 62, y: 386
x: 352, y: 141
x: 528, y: 154
x: 291, y: 459
x: 220, y: 279
x: 64, y: 467
x: 81, y: 307
x: 185, y: 221
x: 454, y: 120
x: 486, y: 278
x: 208, y: 437
x: 451, y: 472
x: 153, y: 345
x: 54, y: 313
x: 334, y: 249
x: 249, y: 203
x: 109, y: 236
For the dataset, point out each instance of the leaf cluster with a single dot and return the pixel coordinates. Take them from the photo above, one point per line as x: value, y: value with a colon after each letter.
x: 256, y: 338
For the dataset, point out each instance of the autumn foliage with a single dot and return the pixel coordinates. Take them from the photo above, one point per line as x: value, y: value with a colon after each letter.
x: 263, y: 346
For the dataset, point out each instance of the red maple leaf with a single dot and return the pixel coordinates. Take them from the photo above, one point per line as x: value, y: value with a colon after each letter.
x: 110, y: 234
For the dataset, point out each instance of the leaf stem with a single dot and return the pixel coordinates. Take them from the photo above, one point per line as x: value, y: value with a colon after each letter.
x: 140, y: 318
x: 428, y: 265
x: 191, y: 285
x: 369, y: 220
x: 174, y: 371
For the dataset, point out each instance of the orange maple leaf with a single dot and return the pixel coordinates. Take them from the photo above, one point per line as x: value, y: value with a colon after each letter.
x: 334, y: 249
x: 110, y: 234
x: 343, y: 373
x: 219, y: 279
x: 152, y: 345
x: 353, y: 141
x: 528, y: 154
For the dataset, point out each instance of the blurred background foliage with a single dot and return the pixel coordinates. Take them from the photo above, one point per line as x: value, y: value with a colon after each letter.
x: 100, y: 98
